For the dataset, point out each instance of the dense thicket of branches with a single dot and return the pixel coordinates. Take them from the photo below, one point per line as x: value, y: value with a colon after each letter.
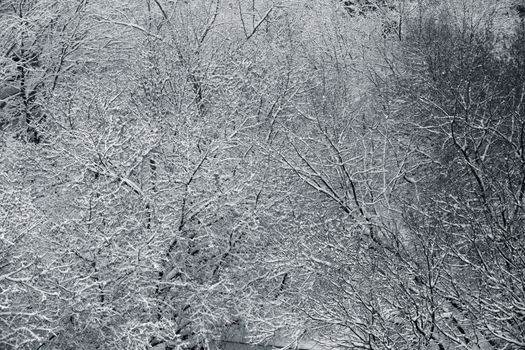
x: 349, y: 174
